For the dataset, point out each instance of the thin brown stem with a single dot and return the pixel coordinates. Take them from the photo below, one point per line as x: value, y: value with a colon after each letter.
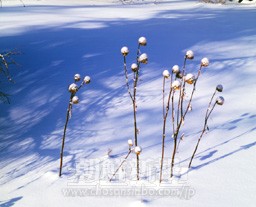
x: 192, y: 94
x: 126, y: 78
x: 183, y: 89
x: 180, y: 101
x: 64, y: 133
x: 163, y: 97
x: 129, y: 152
x: 201, y: 135
x: 176, y: 134
x: 165, y: 115
x: 135, y: 117
x: 173, y: 154
x: 209, y: 105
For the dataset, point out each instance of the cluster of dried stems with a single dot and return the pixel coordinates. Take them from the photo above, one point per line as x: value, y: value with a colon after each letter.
x: 179, y: 109
x: 176, y: 101
x: 5, y: 61
x: 135, y: 67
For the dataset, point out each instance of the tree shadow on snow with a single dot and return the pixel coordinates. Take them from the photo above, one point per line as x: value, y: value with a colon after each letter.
x: 10, y: 203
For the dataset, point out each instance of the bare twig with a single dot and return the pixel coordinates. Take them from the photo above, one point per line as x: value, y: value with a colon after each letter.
x: 202, y: 133
x: 135, y: 67
x: 73, y: 89
x: 129, y: 152
x: 4, y: 97
x: 182, y: 91
x: 135, y: 117
x: 126, y: 78
x: 64, y: 132
x: 176, y: 133
x: 165, y: 115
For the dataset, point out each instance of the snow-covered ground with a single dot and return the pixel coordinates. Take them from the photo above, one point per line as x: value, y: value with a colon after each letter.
x: 60, y: 38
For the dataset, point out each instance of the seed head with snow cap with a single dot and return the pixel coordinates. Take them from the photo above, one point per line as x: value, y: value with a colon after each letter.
x: 219, y: 88
x: 176, y: 85
x: 134, y: 67
x: 130, y: 142
x: 73, y: 88
x: 190, y: 54
x: 205, y: 62
x: 175, y: 69
x: 142, y: 41
x: 125, y: 51
x: 77, y: 77
x: 75, y: 100
x: 220, y: 100
x: 143, y: 58
x: 190, y: 78
x: 87, y: 79
x: 166, y: 73
x: 137, y: 150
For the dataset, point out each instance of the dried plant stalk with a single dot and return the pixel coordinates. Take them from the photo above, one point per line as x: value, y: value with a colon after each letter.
x: 176, y: 133
x: 207, y: 115
x: 202, y: 133
x: 129, y: 152
x: 165, y: 115
x: 135, y: 120
x: 64, y: 133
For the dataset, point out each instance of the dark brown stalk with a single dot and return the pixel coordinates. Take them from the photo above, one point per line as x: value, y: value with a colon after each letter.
x: 135, y: 83
x: 129, y: 152
x: 181, y: 121
x: 163, y: 96
x: 133, y: 98
x: 209, y: 105
x: 180, y: 101
x: 135, y: 118
x: 126, y: 78
x: 193, y: 91
x: 165, y: 115
x: 202, y: 133
x: 64, y: 133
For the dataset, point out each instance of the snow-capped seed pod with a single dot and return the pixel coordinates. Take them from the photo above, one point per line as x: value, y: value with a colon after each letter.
x: 142, y: 41
x: 143, y: 58
x: 73, y: 88
x: 134, y: 67
x: 77, y: 77
x: 130, y: 142
x: 176, y: 69
x: 176, y: 85
x: 205, y: 62
x: 75, y: 100
x: 125, y: 51
x: 190, y: 54
x: 166, y: 73
x: 190, y: 78
x: 220, y: 100
x: 87, y: 79
x: 137, y: 150
x: 219, y: 88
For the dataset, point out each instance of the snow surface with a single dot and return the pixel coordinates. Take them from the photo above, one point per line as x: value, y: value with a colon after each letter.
x: 58, y: 39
